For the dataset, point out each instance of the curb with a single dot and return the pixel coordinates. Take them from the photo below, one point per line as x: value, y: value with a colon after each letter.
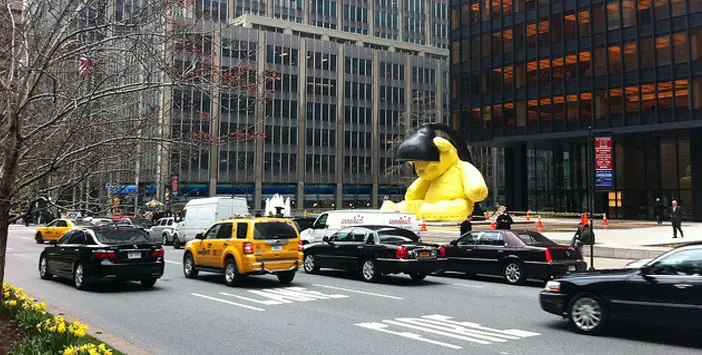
x: 118, y: 343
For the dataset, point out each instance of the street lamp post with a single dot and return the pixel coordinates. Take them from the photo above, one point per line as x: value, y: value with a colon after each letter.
x: 591, y: 186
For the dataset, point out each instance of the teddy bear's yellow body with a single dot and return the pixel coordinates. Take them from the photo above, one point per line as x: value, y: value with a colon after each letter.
x: 445, y: 190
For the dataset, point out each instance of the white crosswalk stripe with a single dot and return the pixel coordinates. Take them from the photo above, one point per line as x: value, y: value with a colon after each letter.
x: 439, y: 326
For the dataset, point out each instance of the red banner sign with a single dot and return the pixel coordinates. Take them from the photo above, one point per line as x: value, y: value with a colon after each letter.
x: 603, y: 153
x: 174, y: 183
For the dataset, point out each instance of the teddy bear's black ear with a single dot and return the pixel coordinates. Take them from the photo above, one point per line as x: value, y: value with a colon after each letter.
x: 419, y: 146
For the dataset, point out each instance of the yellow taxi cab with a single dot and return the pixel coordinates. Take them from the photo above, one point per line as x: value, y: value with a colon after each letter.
x: 57, y: 228
x: 245, y: 246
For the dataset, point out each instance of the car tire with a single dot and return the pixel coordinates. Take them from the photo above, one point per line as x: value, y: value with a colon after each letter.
x: 369, y: 271
x: 513, y: 272
x: 285, y: 277
x: 587, y: 314
x: 79, y: 277
x: 189, y: 269
x: 231, y: 273
x: 39, y: 238
x: 164, y: 239
x: 148, y: 282
x: 44, y: 268
x: 176, y: 241
x: 309, y: 264
x: 418, y: 276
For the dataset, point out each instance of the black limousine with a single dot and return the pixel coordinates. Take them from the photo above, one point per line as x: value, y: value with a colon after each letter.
x: 375, y: 251
x: 107, y: 253
x: 516, y: 255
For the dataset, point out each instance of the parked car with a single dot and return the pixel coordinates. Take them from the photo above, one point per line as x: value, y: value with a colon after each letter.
x: 163, y: 230
x: 330, y: 222
x: 92, y: 254
x: 375, y: 251
x: 199, y: 214
x: 666, y: 292
x: 57, y: 228
x: 100, y: 221
x: 245, y: 246
x: 140, y: 223
x: 516, y: 255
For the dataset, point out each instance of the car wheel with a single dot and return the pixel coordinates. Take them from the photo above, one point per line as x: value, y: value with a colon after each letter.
x: 231, y: 273
x: 189, y: 268
x: 164, y: 239
x: 39, y: 238
x: 587, y: 314
x: 79, y: 277
x: 148, y: 282
x: 44, y: 268
x: 310, y: 264
x: 176, y: 242
x: 286, y: 277
x: 418, y: 276
x: 513, y: 273
x: 369, y: 273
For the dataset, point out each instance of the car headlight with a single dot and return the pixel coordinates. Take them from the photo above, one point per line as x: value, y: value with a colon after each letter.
x: 553, y: 286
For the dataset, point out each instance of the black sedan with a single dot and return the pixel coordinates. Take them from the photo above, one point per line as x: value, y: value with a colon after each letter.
x: 141, y: 223
x: 87, y: 255
x: 666, y: 292
x: 513, y: 254
x: 375, y: 251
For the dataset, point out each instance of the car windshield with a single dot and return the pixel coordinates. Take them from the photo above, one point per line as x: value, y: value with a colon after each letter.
x: 116, y: 236
x: 535, y: 239
x: 82, y: 223
x: 397, y: 236
x: 303, y: 224
x: 274, y: 230
x: 102, y: 222
x: 142, y: 223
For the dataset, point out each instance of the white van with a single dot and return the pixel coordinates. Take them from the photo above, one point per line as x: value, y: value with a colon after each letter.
x: 200, y: 214
x: 329, y: 222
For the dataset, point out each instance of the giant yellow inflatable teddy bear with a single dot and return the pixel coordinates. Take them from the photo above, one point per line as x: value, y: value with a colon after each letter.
x: 446, y: 190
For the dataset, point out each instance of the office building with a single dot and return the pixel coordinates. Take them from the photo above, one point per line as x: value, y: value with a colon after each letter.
x: 348, y: 73
x: 533, y: 76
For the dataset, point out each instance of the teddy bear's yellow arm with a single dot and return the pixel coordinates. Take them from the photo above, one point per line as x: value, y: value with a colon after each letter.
x: 474, y: 185
x: 418, y: 189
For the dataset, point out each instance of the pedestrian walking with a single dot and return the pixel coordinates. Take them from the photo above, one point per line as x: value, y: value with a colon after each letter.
x: 676, y: 219
x: 658, y: 210
x: 504, y: 220
x: 583, y: 235
x: 466, y: 226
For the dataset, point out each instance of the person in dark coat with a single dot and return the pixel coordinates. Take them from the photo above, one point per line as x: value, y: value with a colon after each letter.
x: 676, y: 219
x: 466, y: 226
x: 583, y: 235
x: 504, y: 220
x: 658, y: 210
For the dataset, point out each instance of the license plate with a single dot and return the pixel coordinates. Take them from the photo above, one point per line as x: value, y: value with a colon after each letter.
x: 277, y: 248
x: 571, y: 268
x: 134, y: 255
x: 424, y: 254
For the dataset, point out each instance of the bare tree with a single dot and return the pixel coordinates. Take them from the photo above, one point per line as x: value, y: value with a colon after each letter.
x: 85, y: 86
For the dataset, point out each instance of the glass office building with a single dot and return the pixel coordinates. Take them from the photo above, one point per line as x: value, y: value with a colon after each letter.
x: 532, y: 76
x: 348, y: 73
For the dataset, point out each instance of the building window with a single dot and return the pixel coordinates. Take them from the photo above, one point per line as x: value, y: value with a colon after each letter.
x: 630, y: 56
x: 613, y: 20
x: 646, y: 53
x: 281, y: 55
x: 615, y: 59
x: 663, y: 50
x: 680, y: 48
x: 628, y: 13
x: 661, y: 9
x: 598, y: 17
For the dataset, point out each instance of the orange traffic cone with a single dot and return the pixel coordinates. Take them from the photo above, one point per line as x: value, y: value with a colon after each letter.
x: 528, y: 216
x: 424, y: 226
x: 585, y: 219
x: 605, y: 223
x: 493, y: 224
x: 487, y: 214
x: 305, y: 213
x: 540, y: 225
x: 582, y: 219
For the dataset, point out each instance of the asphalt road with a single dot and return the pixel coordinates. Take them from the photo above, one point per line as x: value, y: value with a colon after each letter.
x: 330, y: 313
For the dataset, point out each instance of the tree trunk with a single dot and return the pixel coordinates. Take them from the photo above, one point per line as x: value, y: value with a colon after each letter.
x: 7, y: 176
x: 4, y: 227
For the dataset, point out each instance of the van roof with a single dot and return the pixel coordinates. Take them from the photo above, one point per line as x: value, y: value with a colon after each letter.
x: 211, y: 200
x: 257, y: 219
x: 367, y: 211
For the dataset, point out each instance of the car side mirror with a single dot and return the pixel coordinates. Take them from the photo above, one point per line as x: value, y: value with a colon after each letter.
x: 645, y: 270
x: 52, y: 243
x: 325, y: 239
x: 199, y: 236
x: 453, y: 243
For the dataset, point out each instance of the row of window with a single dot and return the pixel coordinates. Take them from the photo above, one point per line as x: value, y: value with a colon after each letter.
x: 630, y: 100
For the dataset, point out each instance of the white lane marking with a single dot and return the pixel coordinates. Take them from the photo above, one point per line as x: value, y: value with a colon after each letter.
x: 229, y: 302
x: 512, y: 332
x: 382, y: 328
x: 172, y: 262
x: 284, y: 295
x: 9, y: 249
x: 428, y: 323
x: 267, y: 302
x: 360, y: 292
x: 434, y: 331
x: 28, y: 238
x: 467, y: 285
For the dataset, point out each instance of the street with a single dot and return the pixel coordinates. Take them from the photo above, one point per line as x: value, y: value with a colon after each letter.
x: 330, y: 313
